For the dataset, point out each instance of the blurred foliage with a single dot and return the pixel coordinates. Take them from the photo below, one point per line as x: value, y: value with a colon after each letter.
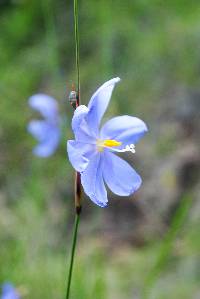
x: 154, y: 47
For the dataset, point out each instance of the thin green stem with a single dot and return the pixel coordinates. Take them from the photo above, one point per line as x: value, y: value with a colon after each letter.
x: 77, y: 177
x: 74, y: 239
x: 76, y: 31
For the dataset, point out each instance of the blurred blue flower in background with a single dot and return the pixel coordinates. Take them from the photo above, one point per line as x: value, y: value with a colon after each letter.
x: 9, y: 292
x: 92, y: 151
x: 46, y: 131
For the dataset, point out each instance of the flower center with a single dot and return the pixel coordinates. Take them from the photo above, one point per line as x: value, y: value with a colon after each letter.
x: 107, y: 143
x: 112, y: 144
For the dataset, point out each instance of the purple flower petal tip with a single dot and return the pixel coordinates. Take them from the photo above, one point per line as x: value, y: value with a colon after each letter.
x: 45, y: 104
x: 9, y: 292
x: 46, y: 131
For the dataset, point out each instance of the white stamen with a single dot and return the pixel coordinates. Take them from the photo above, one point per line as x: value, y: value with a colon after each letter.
x: 128, y: 148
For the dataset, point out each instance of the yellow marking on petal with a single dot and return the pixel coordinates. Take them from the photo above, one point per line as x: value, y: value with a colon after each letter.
x: 101, y: 144
x: 111, y: 143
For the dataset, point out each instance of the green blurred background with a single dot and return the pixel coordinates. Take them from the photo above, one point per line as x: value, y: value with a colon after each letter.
x: 145, y: 246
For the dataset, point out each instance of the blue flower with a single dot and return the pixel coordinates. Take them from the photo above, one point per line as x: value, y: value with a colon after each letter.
x: 9, y: 292
x: 92, y: 153
x: 46, y: 131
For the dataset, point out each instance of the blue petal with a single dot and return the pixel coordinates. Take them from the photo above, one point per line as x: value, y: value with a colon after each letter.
x: 98, y: 104
x: 120, y: 177
x: 126, y: 129
x: 9, y: 292
x: 80, y: 127
x: 46, y: 105
x: 92, y: 181
x: 48, y: 136
x: 80, y: 154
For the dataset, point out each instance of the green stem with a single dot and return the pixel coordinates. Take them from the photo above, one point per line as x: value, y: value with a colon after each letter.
x: 77, y: 177
x: 76, y: 31
x: 74, y: 239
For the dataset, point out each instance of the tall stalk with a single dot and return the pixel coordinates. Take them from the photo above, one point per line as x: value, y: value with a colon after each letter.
x: 76, y: 32
x: 74, y: 239
x: 77, y: 174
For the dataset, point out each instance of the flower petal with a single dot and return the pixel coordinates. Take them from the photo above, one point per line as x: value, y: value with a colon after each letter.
x: 46, y: 105
x: 80, y: 127
x: 9, y: 292
x: 126, y: 129
x: 92, y: 181
x: 98, y: 104
x: 48, y: 136
x: 120, y: 177
x: 80, y: 154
